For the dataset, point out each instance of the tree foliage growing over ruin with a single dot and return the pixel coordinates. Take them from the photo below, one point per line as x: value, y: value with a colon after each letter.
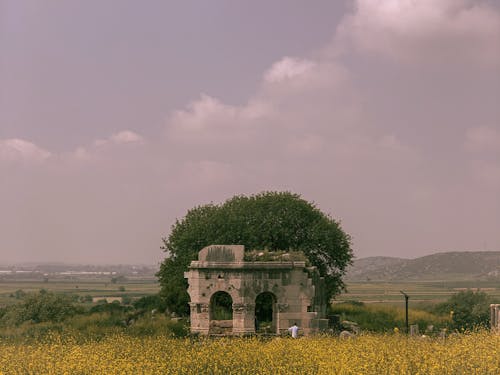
x: 266, y: 221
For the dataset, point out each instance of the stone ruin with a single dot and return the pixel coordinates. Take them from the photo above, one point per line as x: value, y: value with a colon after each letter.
x: 495, y: 317
x: 258, y: 296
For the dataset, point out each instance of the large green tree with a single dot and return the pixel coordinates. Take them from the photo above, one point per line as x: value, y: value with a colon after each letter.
x: 269, y: 220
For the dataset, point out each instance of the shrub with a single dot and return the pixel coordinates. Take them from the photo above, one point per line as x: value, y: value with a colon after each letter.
x: 19, y: 294
x: 152, y: 302
x: 468, y: 310
x: 86, y: 298
x: 178, y: 328
x: 113, y: 308
x: 40, y: 307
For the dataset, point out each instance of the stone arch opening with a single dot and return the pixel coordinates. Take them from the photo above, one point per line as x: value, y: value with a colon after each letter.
x: 221, y: 313
x: 266, y: 313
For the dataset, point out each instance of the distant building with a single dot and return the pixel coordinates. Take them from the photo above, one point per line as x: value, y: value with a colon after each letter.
x: 107, y: 299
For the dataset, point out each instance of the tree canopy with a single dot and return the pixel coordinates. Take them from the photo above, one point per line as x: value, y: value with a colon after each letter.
x: 266, y: 221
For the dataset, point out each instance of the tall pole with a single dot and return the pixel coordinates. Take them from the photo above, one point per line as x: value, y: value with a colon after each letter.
x: 407, y: 297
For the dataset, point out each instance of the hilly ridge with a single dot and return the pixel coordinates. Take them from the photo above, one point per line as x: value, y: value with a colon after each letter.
x: 451, y: 265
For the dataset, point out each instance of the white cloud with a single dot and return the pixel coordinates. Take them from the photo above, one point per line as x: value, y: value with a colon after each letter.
x: 100, y: 142
x: 16, y: 149
x: 121, y: 137
x: 288, y: 68
x: 358, y: 138
x: 100, y: 145
x: 290, y: 78
x: 209, y: 121
x: 125, y: 136
x: 452, y: 31
x: 199, y: 115
x: 370, y: 143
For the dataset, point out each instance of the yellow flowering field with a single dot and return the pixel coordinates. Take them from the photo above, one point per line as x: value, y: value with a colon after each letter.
x: 476, y: 353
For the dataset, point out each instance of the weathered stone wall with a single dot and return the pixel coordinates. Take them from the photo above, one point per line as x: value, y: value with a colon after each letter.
x: 294, y: 286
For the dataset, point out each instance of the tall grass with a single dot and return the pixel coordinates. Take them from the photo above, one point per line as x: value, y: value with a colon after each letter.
x: 97, y: 326
x: 384, y: 318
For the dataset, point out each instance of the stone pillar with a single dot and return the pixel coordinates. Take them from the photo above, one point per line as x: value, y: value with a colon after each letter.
x: 414, y: 331
x: 281, y: 324
x: 243, y: 318
x: 495, y: 317
x: 200, y: 318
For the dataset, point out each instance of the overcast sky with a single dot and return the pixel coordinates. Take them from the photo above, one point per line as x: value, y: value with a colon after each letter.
x: 116, y: 117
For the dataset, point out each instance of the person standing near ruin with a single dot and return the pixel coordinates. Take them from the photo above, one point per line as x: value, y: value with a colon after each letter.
x: 294, y: 330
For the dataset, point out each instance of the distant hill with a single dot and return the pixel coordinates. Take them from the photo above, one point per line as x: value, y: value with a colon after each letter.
x: 440, y: 266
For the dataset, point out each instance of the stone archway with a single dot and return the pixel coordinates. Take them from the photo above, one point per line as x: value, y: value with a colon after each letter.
x: 222, y: 271
x: 266, y: 313
x: 221, y: 313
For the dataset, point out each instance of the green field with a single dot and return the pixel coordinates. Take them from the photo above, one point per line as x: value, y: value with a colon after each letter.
x: 419, y: 292
x: 95, y: 287
x: 368, y: 292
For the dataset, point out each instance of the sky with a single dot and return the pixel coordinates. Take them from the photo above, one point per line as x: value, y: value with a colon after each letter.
x: 117, y: 117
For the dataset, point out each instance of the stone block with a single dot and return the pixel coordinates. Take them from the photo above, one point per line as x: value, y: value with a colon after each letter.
x: 222, y: 253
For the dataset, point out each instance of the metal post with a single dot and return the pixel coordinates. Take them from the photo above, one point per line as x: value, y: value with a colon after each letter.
x: 407, y: 297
